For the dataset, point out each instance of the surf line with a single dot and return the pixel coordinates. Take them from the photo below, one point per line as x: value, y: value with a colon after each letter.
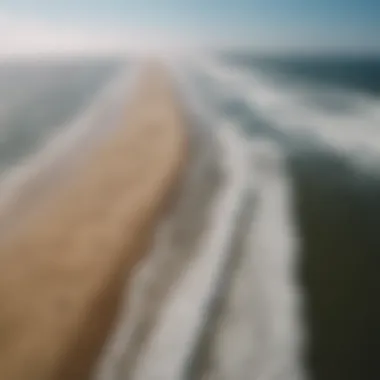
x: 181, y: 324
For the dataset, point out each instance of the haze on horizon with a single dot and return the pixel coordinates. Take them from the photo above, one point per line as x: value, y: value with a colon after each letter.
x: 114, y: 26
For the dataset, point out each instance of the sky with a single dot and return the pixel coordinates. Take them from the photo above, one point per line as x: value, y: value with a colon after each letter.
x: 37, y: 26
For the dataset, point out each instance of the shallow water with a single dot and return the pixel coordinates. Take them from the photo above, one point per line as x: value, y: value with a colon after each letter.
x: 39, y: 99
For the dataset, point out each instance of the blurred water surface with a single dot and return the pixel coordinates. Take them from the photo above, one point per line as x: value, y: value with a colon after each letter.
x: 323, y: 114
x: 39, y: 98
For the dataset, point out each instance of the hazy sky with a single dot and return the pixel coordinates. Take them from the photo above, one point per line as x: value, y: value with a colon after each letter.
x: 263, y: 24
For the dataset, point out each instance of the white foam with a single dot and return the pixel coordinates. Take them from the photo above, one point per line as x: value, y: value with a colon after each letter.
x: 185, y: 312
x: 261, y: 335
x: 183, y: 317
x: 287, y: 108
x: 119, y: 347
x: 264, y: 337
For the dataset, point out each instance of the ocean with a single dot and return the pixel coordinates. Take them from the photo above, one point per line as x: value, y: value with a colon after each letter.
x: 323, y: 115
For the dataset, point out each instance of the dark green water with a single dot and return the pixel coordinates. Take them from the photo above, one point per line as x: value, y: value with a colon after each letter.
x: 337, y: 206
x: 338, y: 211
x: 359, y: 73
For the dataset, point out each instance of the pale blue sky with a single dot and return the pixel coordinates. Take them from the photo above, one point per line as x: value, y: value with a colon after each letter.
x: 341, y: 24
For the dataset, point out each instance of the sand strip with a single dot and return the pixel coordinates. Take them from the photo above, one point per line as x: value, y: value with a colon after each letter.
x: 39, y: 175
x: 175, y: 247
x: 61, y: 274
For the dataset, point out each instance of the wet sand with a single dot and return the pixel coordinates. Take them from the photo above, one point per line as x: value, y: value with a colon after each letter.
x: 175, y: 248
x: 62, y: 270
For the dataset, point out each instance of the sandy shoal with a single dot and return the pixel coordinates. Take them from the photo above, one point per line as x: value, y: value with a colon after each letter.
x: 62, y: 271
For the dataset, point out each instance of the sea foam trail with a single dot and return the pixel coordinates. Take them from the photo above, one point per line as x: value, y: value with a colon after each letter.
x: 185, y: 313
x: 180, y: 327
x: 355, y: 131
x: 176, y: 243
x: 201, y: 172
x: 261, y: 327
x: 261, y: 334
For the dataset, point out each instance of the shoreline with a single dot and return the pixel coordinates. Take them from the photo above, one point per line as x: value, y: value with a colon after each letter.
x: 85, y: 241
x: 39, y: 172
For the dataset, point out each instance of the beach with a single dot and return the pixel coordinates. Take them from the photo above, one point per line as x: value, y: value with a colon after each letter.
x: 64, y: 267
